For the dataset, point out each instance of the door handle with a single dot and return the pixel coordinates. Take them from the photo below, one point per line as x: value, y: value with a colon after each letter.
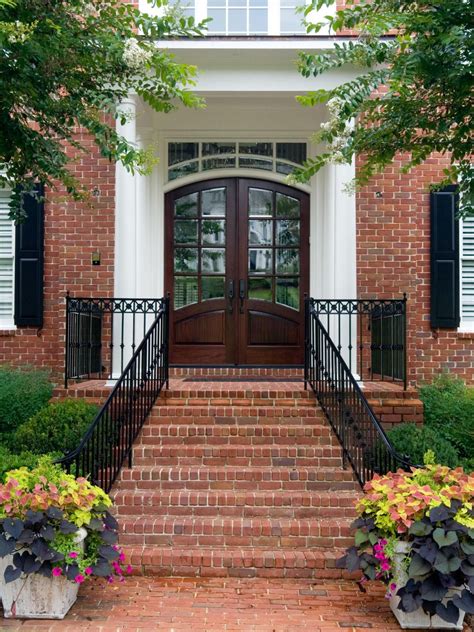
x: 230, y: 295
x: 242, y: 294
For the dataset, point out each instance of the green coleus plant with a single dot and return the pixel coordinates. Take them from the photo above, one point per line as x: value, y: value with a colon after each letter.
x: 431, y: 509
x: 44, y: 513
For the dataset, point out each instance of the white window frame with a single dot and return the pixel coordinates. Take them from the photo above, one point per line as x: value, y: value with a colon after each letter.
x: 274, y: 17
x: 8, y: 322
x: 465, y: 325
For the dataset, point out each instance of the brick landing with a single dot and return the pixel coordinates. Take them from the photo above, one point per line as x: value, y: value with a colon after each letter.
x: 222, y: 605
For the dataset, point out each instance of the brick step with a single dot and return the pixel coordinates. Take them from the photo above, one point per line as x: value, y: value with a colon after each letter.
x: 241, y: 435
x: 244, y: 455
x: 240, y: 372
x: 246, y: 504
x: 267, y: 390
x: 236, y: 478
x: 253, y: 401
x: 235, y: 562
x: 180, y: 531
x: 235, y: 416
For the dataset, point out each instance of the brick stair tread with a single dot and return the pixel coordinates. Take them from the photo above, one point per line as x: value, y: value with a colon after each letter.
x: 235, y: 417
x: 316, y: 473
x: 234, y: 561
x: 277, y: 503
x: 142, y: 524
x: 261, y: 454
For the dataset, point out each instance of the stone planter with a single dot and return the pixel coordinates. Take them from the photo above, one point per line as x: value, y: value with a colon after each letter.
x: 416, y: 620
x: 38, y: 597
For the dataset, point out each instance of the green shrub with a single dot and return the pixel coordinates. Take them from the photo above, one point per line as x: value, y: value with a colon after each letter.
x: 56, y: 428
x: 10, y: 461
x: 413, y: 441
x: 449, y: 411
x: 22, y: 393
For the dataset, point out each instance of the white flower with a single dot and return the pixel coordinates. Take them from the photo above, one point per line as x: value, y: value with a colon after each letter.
x: 337, y: 157
x: 334, y: 106
x: 349, y: 188
x: 326, y: 127
x: 134, y: 55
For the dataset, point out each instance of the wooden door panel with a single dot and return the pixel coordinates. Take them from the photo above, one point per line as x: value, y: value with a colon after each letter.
x: 207, y: 328
x: 270, y: 329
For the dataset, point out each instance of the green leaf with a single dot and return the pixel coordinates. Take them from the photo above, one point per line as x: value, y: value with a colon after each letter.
x: 420, y: 529
x: 444, y: 538
x: 360, y: 537
x: 418, y: 567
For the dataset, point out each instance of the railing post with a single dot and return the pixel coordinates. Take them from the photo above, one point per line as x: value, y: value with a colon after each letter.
x: 66, y: 344
x: 306, y: 340
x: 405, y: 350
x: 167, y: 339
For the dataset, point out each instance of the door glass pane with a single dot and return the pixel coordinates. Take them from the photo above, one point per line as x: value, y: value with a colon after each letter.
x: 213, y: 260
x: 186, y: 206
x: 287, y: 232
x: 256, y: 149
x: 260, y: 232
x: 287, y: 206
x: 213, y: 232
x: 288, y: 292
x: 260, y: 261
x: 212, y: 287
x: 185, y: 260
x: 185, y: 291
x: 213, y: 202
x: 287, y: 261
x: 186, y: 232
x: 213, y: 149
x: 260, y: 288
x: 260, y: 202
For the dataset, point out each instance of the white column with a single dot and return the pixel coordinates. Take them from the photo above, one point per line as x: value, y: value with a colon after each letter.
x: 125, y: 280
x: 125, y: 212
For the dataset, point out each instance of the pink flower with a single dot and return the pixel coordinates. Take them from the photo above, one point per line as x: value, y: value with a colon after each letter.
x: 383, y: 542
x: 88, y: 570
x: 79, y: 579
x: 73, y: 554
x: 110, y: 579
x: 122, y: 557
x: 385, y: 566
x: 129, y: 569
x: 393, y: 587
x: 57, y: 571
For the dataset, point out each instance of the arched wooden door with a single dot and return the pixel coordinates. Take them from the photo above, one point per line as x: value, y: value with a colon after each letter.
x: 237, y: 269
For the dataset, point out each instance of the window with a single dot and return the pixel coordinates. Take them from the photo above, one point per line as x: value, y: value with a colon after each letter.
x: 246, y: 17
x: 6, y: 262
x: 291, y: 21
x: 467, y: 273
x: 238, y: 17
x: 187, y: 158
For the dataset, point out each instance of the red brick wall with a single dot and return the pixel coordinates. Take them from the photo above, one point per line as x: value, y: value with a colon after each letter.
x: 393, y: 256
x: 72, y: 232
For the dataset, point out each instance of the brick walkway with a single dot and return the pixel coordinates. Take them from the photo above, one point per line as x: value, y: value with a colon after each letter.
x: 222, y: 605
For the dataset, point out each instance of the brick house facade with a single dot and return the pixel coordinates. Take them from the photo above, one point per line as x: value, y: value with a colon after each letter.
x: 391, y: 216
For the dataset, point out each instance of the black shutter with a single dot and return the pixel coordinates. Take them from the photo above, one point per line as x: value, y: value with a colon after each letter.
x: 29, y: 263
x: 444, y: 258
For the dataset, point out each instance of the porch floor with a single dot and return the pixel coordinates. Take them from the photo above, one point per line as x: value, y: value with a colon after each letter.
x: 207, y: 605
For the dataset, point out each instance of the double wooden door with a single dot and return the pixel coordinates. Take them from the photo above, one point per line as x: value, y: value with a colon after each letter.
x: 236, y: 268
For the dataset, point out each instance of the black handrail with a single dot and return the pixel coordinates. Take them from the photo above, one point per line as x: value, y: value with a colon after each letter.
x: 109, y: 439
x: 364, y: 442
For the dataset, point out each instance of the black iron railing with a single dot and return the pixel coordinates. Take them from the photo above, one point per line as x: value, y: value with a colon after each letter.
x: 109, y: 440
x: 370, y: 335
x: 103, y: 333
x: 364, y: 443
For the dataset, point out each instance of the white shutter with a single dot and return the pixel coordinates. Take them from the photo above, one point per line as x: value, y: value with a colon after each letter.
x: 467, y: 270
x: 6, y: 260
